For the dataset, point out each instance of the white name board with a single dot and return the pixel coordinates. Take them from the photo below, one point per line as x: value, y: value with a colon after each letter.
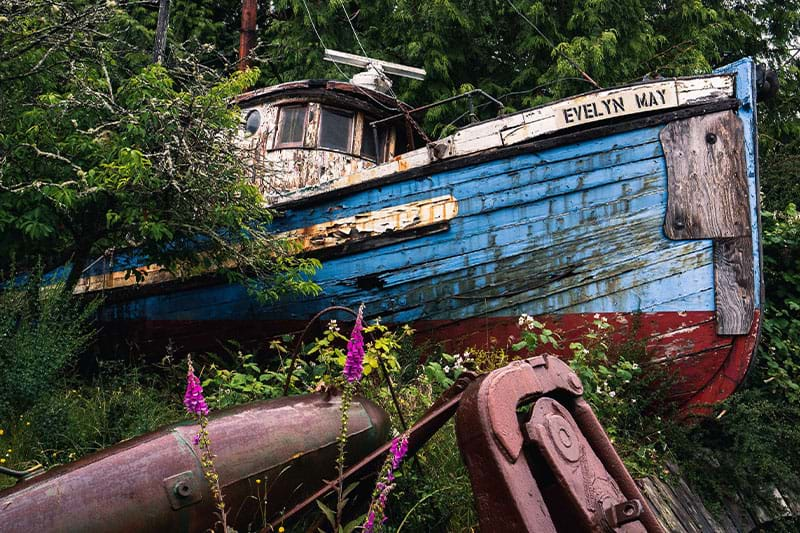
x: 616, y: 103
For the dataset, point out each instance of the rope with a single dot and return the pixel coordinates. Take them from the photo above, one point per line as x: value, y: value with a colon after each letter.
x: 402, y: 107
x: 355, y: 34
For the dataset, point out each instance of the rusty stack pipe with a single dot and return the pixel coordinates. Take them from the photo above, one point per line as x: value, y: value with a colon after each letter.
x: 247, y: 34
x: 269, y: 456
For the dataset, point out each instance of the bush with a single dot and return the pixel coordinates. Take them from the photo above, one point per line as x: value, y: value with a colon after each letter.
x: 42, y: 332
x: 79, y: 418
x: 779, y: 352
x: 751, y: 446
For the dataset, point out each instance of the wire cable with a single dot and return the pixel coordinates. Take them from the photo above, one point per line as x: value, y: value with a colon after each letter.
x: 355, y: 34
x: 364, y: 51
x: 553, y: 46
x: 403, y: 107
x: 345, y: 76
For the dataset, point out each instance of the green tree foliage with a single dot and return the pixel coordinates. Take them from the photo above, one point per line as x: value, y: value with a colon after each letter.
x: 779, y: 369
x: 101, y: 150
x: 489, y: 44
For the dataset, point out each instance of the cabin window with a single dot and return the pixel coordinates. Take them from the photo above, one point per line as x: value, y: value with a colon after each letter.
x: 291, y: 126
x: 336, y: 128
x: 368, y: 148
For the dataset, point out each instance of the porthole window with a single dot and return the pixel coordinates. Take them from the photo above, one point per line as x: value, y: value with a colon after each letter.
x: 336, y: 129
x: 291, y: 126
x: 252, y: 121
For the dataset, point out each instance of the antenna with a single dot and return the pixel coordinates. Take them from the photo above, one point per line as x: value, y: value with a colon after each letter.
x: 395, y: 69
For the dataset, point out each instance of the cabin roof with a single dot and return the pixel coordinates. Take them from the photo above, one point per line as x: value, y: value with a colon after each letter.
x: 346, y: 94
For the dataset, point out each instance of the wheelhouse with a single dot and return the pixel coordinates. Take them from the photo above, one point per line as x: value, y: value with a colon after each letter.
x: 302, y: 134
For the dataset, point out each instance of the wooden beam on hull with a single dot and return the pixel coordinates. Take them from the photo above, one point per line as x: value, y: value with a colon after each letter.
x: 375, y: 224
x: 365, y: 230
x: 707, y: 198
x: 707, y: 180
x: 734, y: 286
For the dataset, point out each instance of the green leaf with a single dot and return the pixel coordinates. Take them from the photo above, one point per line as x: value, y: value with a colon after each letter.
x: 328, y: 512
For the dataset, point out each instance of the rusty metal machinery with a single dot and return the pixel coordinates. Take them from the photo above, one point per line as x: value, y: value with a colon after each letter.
x: 538, y: 458
x: 155, y: 482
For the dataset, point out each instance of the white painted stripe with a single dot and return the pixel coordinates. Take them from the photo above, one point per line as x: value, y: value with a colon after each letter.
x: 537, y: 122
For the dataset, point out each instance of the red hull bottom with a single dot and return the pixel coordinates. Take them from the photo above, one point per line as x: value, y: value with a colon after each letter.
x: 709, y: 367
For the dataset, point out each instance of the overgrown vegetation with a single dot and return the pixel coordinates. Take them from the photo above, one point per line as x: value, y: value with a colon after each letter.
x: 748, y: 447
x: 42, y: 333
x: 99, y: 149
x: 79, y: 416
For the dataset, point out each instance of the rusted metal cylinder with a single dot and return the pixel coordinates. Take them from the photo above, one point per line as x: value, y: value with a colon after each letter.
x: 155, y: 482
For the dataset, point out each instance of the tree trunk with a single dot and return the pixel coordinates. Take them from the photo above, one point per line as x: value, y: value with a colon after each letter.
x: 79, y: 261
x: 161, y: 31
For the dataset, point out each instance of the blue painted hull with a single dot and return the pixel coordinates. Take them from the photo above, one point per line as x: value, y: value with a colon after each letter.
x: 569, y: 231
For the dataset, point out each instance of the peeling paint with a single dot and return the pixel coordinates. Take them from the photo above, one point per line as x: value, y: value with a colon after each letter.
x: 373, y: 224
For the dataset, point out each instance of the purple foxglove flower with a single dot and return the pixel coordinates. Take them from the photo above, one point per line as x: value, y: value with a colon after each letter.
x: 193, y: 399
x: 398, y: 450
x: 369, y: 525
x: 354, y: 364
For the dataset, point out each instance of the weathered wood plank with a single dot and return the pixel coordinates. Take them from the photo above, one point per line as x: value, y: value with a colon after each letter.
x: 696, y: 90
x: 660, y: 503
x: 374, y: 224
x: 706, y: 176
x: 114, y: 279
x: 734, y: 285
x: 694, y: 506
x: 742, y: 520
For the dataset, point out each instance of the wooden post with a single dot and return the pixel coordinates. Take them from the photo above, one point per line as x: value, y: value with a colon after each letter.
x: 161, y: 31
x: 247, y: 35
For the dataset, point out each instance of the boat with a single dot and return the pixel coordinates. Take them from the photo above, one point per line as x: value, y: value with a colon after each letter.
x: 637, y: 205
x: 266, y: 458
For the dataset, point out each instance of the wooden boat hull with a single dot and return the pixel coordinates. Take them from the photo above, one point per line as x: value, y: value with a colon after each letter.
x: 270, y: 455
x: 566, y: 227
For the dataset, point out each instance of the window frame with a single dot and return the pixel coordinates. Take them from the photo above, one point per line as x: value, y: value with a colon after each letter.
x: 350, y: 133
x: 247, y: 116
x: 383, y: 141
x: 291, y: 144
